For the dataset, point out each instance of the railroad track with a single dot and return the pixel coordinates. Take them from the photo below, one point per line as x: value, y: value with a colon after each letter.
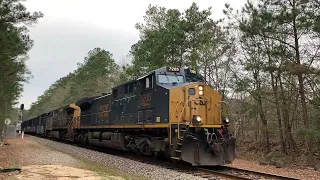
x: 242, y: 174
x: 210, y: 173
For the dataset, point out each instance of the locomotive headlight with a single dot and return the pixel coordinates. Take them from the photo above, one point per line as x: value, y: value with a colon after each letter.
x: 200, y: 90
x: 196, y: 119
x: 227, y: 120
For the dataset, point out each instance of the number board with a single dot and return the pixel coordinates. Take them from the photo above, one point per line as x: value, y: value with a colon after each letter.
x: 173, y: 69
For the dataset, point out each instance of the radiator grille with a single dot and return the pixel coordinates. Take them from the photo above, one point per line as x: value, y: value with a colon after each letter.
x: 149, y: 116
x: 140, y: 117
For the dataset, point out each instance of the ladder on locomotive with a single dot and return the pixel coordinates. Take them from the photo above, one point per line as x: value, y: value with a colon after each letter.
x: 180, y: 132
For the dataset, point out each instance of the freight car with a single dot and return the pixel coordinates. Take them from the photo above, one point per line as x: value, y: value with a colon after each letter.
x: 170, y: 111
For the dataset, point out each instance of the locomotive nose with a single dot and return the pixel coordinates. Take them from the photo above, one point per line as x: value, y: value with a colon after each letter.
x: 198, y: 117
x: 202, y: 106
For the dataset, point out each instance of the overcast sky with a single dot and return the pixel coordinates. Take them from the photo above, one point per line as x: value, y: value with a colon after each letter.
x: 70, y: 28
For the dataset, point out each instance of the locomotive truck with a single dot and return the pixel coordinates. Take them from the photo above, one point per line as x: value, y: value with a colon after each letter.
x: 170, y: 111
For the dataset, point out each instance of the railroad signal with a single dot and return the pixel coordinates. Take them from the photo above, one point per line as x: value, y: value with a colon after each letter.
x: 21, y: 106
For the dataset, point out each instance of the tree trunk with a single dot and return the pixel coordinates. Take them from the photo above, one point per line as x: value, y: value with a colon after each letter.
x: 216, y: 76
x: 205, y: 72
x: 264, y: 123
x: 276, y: 97
x: 300, y: 77
x: 256, y: 129
x: 262, y: 116
x: 209, y: 76
x: 300, y: 80
x: 288, y: 130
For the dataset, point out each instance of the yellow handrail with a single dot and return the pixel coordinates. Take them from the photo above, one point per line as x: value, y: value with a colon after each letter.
x: 224, y: 111
x: 185, y: 104
x: 170, y: 120
x: 179, y: 120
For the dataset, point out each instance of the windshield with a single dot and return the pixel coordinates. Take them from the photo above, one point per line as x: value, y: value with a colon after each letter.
x: 170, y: 78
x: 194, y: 78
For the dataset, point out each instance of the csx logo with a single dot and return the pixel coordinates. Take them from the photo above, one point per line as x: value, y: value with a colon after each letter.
x: 103, y: 110
x: 146, y: 99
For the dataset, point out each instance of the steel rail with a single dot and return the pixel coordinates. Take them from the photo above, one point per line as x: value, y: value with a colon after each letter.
x: 221, y: 174
x: 233, y: 173
x: 260, y: 173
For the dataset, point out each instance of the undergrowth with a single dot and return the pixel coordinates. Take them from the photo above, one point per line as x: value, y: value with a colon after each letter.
x: 255, y: 152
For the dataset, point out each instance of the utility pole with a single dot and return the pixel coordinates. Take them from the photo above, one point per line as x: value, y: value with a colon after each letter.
x: 4, y: 123
x: 21, y: 109
x: 21, y: 119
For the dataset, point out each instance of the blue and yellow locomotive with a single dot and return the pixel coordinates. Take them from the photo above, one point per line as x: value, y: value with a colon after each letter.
x: 169, y: 111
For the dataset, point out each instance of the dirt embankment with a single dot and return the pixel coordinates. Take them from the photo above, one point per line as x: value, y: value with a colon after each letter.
x: 40, y: 162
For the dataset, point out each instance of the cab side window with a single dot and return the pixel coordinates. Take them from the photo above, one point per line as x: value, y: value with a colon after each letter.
x: 146, y: 83
x: 115, y: 93
x: 128, y: 88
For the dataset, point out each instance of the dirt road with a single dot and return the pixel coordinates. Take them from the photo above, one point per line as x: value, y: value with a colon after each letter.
x: 41, y: 162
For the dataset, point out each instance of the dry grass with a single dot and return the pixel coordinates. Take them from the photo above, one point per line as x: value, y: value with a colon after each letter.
x: 255, y: 152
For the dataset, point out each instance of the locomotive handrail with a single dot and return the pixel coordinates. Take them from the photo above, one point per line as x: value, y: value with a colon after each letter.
x: 180, y: 116
x: 88, y: 114
x: 179, y: 119
x: 220, y: 109
x: 198, y: 100
x: 178, y: 102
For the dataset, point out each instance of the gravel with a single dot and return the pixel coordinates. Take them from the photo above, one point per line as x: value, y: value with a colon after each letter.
x: 44, y: 156
x: 124, y: 165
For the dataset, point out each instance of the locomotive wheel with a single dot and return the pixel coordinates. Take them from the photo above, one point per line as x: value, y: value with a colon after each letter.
x: 155, y: 155
x: 175, y: 161
x: 137, y: 151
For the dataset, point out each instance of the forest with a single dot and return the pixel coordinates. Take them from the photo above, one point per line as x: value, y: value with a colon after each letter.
x: 14, y: 46
x: 263, y: 58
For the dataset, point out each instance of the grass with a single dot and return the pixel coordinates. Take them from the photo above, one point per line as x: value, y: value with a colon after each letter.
x: 14, y: 164
x: 103, y: 170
